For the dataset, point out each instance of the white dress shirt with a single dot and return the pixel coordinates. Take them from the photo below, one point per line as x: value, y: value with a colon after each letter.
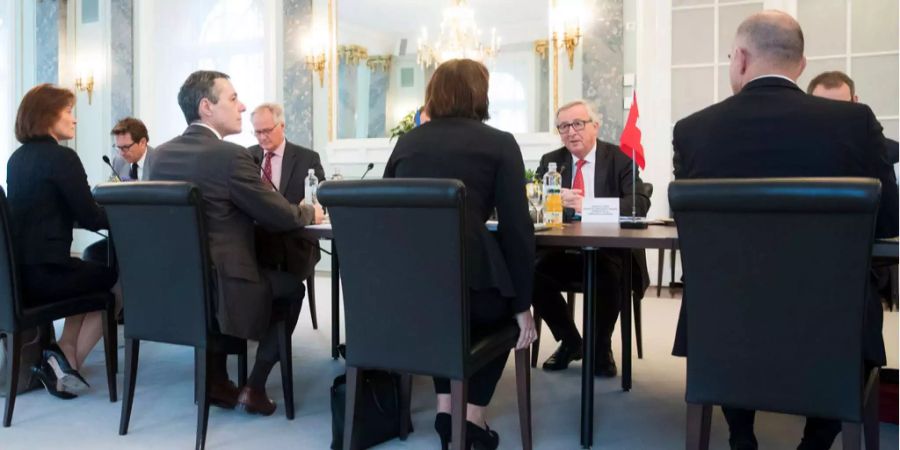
x: 587, y: 171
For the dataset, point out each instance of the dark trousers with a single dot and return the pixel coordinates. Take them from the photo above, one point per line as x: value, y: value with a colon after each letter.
x: 488, y: 312
x: 817, y: 435
x: 555, y: 272
x: 47, y: 283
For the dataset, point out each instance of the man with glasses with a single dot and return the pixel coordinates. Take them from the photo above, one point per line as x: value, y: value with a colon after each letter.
x: 589, y: 168
x: 284, y: 167
x: 132, y: 154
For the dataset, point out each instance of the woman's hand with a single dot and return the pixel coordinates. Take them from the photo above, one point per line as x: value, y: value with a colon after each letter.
x: 527, y: 332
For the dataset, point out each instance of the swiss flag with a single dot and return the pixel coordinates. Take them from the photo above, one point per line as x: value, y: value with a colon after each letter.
x: 631, y: 135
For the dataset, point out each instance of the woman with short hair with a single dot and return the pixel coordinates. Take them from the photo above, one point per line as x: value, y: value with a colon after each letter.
x: 455, y: 143
x: 48, y: 194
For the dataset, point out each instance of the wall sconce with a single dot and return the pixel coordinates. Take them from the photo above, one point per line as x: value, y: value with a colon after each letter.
x: 352, y: 54
x: 379, y: 62
x: 567, y: 20
x: 314, y: 50
x: 540, y: 47
x: 85, y: 84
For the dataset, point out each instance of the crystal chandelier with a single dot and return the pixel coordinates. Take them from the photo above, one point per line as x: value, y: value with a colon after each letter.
x: 459, y: 38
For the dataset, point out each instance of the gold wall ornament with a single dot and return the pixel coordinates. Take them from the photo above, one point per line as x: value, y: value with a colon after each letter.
x: 379, y: 62
x: 540, y: 47
x: 316, y: 63
x: 352, y: 54
x: 570, y: 41
x: 85, y: 84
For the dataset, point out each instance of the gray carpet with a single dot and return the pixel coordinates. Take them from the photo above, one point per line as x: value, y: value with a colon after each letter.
x: 651, y: 416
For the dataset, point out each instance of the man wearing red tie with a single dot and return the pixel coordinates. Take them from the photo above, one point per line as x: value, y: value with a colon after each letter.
x: 589, y: 168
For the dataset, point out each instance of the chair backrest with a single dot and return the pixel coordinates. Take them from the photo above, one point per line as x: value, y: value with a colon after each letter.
x: 400, y: 244
x: 646, y: 189
x: 776, y: 275
x: 9, y: 281
x: 158, y: 232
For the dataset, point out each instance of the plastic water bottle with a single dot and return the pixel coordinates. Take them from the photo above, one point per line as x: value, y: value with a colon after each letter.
x: 311, y: 185
x: 336, y: 176
x: 553, y: 210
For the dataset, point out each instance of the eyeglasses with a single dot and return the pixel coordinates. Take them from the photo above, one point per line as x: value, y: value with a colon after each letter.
x: 264, y: 131
x: 575, y: 125
x: 124, y: 148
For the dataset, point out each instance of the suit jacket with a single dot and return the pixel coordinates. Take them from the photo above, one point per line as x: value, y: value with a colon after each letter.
x: 893, y: 150
x: 234, y: 200
x: 488, y: 161
x: 612, y: 178
x: 771, y: 128
x: 48, y: 193
x: 123, y: 168
x: 288, y: 250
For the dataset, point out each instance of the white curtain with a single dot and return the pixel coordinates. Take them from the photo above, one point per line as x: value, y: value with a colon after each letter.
x: 178, y: 37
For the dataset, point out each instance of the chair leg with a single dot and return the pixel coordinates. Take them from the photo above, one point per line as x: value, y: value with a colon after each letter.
x: 242, y: 366
x: 132, y: 350
x: 287, y: 370
x: 459, y: 395
x: 13, y: 349
x: 354, y: 383
x: 109, y: 348
x: 536, y: 345
x: 673, y: 256
x: 699, y: 421
x: 870, y: 411
x: 850, y: 435
x: 203, y: 396
x: 637, y: 327
x: 311, y: 293
x: 405, y: 399
x: 523, y: 392
x: 659, y: 271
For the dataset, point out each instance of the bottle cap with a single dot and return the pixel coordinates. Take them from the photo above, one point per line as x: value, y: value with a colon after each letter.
x: 552, y: 166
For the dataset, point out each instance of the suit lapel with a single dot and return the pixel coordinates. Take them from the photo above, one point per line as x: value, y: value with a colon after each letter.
x: 603, y: 162
x: 564, y: 163
x: 287, y: 166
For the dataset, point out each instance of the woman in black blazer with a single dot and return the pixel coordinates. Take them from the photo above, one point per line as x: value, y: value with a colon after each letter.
x: 455, y: 143
x: 48, y: 193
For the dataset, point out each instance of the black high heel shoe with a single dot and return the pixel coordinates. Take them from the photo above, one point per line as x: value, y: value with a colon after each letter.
x: 68, y: 376
x: 45, y: 375
x: 478, y: 438
x: 442, y: 425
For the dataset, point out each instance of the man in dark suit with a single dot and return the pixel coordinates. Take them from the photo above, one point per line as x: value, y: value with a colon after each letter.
x: 286, y: 166
x: 771, y: 128
x: 133, y: 152
x: 589, y: 168
x: 235, y: 199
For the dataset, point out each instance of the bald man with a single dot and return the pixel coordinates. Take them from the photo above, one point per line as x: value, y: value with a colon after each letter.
x: 771, y: 128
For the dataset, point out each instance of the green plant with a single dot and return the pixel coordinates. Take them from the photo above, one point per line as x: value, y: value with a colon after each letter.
x: 529, y: 175
x: 406, y: 123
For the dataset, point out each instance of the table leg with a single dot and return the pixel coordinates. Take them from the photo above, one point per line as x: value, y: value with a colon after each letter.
x: 587, y: 368
x: 335, y: 301
x: 625, y: 321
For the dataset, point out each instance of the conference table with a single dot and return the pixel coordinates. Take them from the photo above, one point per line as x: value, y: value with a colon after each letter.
x: 590, y: 239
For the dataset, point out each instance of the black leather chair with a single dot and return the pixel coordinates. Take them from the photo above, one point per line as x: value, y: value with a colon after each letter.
x: 403, y: 270
x: 168, y: 283
x: 647, y: 190
x: 16, y: 317
x: 767, y: 330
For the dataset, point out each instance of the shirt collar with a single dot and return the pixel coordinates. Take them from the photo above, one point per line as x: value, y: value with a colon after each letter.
x: 140, y: 162
x: 279, y: 152
x: 772, y: 75
x: 589, y: 158
x: 209, y: 128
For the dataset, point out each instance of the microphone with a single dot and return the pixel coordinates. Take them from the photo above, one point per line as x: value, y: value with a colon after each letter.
x: 108, y: 163
x: 368, y: 168
x: 256, y: 161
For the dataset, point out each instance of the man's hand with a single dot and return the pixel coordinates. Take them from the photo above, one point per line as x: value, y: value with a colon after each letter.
x: 320, y: 213
x: 572, y: 198
x: 527, y: 331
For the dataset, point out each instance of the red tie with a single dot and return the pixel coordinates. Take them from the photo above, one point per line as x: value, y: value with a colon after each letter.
x: 579, y: 179
x: 267, y: 169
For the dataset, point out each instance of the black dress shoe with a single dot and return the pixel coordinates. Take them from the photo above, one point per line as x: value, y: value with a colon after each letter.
x: 45, y: 375
x: 563, y: 355
x: 605, y: 366
x: 442, y: 424
x: 478, y: 438
x: 68, y: 376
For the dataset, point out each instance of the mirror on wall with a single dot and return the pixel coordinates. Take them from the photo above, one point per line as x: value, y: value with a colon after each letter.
x: 386, y: 55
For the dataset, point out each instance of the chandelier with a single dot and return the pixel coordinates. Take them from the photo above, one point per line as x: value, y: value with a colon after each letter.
x: 459, y: 38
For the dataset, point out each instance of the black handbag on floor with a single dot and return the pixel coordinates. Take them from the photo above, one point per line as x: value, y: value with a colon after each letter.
x: 377, y: 410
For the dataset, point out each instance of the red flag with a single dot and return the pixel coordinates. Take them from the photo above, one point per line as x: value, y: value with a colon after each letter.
x: 631, y: 135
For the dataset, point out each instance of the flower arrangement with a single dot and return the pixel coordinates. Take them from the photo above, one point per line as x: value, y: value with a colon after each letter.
x: 406, y: 123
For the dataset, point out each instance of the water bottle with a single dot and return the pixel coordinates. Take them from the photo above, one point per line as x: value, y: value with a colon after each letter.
x: 553, y: 210
x: 336, y: 176
x: 311, y: 185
